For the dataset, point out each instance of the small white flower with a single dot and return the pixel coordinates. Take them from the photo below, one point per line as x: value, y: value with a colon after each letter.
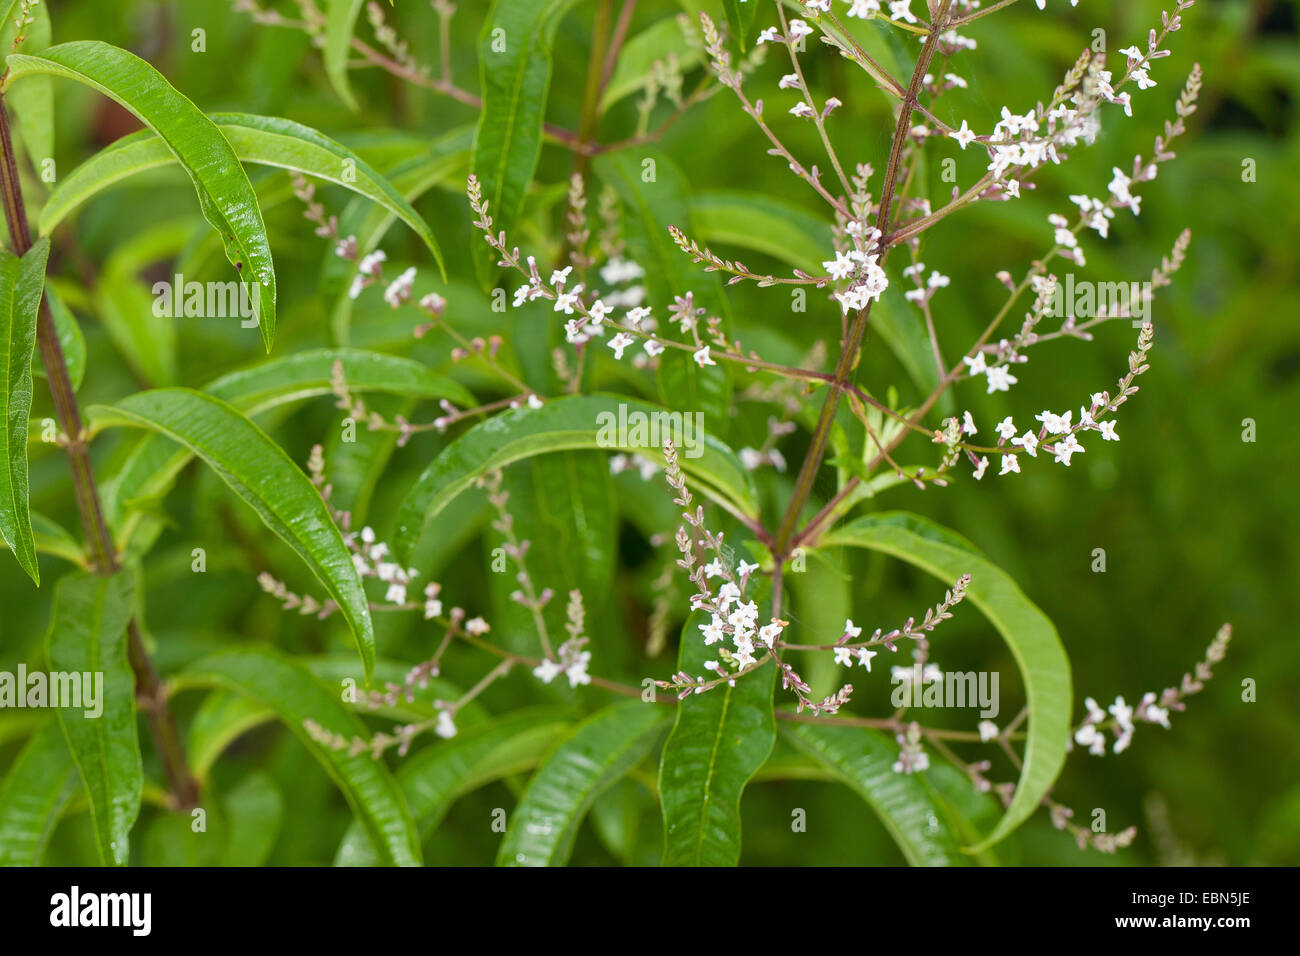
x: 1029, y: 443
x: 980, y: 468
x: 864, y: 658
x: 1009, y: 464
x: 964, y: 136
x: 476, y: 627
x: 1065, y: 448
x: 844, y: 655
x: 620, y: 342
x: 547, y: 671
x: 446, y: 726
x: 1006, y: 428
x: 702, y: 357
x: 1108, y: 430
x: 977, y: 365
x: 988, y: 730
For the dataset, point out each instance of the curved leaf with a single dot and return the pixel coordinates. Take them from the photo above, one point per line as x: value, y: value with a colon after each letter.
x: 152, y: 465
x: 307, y: 374
x: 764, y: 224
x: 565, y: 423
x: 21, y: 282
x: 341, y: 20
x: 1028, y: 632
x: 435, y: 777
x: 39, y: 786
x: 260, y: 472
x: 740, y: 17
x: 225, y: 194
x: 719, y: 741
x: 594, y: 756
x: 515, y: 74
x: 864, y: 759
x: 280, y: 683
x: 265, y: 140
x: 87, y: 636
x: 71, y: 340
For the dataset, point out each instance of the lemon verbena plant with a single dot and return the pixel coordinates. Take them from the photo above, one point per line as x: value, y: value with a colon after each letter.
x: 603, y: 511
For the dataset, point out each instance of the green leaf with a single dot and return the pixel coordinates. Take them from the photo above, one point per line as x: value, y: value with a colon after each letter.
x: 39, y: 786
x: 740, y: 17
x: 21, y: 282
x: 222, y: 718
x: 655, y: 44
x: 152, y: 465
x: 260, y: 472
x: 265, y: 140
x: 657, y: 195
x: 719, y: 741
x: 864, y: 759
x: 277, y: 681
x: 341, y: 20
x: 33, y: 102
x: 146, y: 341
x: 594, y: 756
x: 225, y: 194
x: 578, y: 421
x: 1028, y: 632
x: 307, y: 374
x: 515, y: 82
x: 436, y: 777
x: 764, y: 224
x: 87, y: 636
x: 71, y: 340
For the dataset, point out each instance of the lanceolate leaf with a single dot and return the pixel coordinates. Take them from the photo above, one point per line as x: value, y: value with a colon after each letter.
x: 260, y: 472
x: 282, y: 684
x: 71, y: 340
x: 565, y: 423
x: 740, y: 16
x: 597, y: 754
x: 341, y: 19
x: 225, y: 194
x: 720, y: 740
x: 87, y: 638
x: 515, y: 70
x: 764, y: 224
x: 1030, y: 635
x: 266, y: 140
x: 40, y: 783
x: 151, y: 467
x: 435, y: 777
x: 864, y: 760
x: 21, y: 281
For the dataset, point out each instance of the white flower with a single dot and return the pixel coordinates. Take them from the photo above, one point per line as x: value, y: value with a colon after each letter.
x: 713, y: 631
x: 964, y: 136
x: 844, y: 655
x: 768, y: 633
x: 653, y: 347
x: 841, y: 267
x: 1029, y: 443
x: 476, y: 626
x: 1107, y: 429
x: 769, y: 36
x: 864, y: 658
x: 1065, y: 448
x: 745, y: 569
x: 576, y: 671
x: 789, y: 82
x: 399, y: 290
x: 561, y: 276
x: 1006, y: 428
x: 977, y: 365
x: 968, y: 424
x: 396, y: 593
x: 899, y: 10
x: 446, y: 726
x: 598, y: 311
x: 988, y: 730
x: 1009, y: 464
x: 702, y: 357
x: 1158, y: 715
x: 799, y: 29
x: 802, y: 110
x: 850, y: 630
x: 1092, y: 738
x: 547, y: 671
x: 620, y: 342
x: 980, y: 468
